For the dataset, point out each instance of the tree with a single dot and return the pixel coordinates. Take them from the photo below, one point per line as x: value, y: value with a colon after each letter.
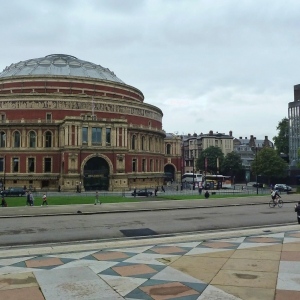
x: 282, y: 140
x: 232, y: 164
x: 269, y: 163
x: 211, y: 154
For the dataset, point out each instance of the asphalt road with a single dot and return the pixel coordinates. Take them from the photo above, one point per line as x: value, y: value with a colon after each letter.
x: 54, y: 229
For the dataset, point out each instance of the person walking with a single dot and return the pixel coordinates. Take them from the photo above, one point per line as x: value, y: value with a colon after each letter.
x: 200, y: 189
x: 162, y: 188
x: 134, y: 192
x: 44, y: 200
x: 28, y: 199
x: 3, y: 202
x: 97, y: 198
x: 31, y: 199
x: 297, y: 210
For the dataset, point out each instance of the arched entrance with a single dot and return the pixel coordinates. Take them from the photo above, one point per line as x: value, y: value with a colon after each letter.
x: 169, y: 171
x: 95, y: 174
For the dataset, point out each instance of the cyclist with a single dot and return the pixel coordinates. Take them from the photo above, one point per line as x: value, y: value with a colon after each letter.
x: 275, y: 196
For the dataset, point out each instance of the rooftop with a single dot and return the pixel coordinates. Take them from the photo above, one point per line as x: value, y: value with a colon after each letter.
x: 59, y: 65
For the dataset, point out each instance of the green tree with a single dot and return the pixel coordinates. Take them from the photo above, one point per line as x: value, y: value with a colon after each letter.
x: 211, y: 153
x: 269, y: 163
x: 232, y: 164
x: 281, y: 141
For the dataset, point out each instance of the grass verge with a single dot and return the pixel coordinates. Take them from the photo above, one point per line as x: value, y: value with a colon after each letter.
x: 69, y: 200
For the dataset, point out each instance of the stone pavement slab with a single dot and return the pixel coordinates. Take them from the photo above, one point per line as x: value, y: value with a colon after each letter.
x: 74, y: 283
x: 204, y: 266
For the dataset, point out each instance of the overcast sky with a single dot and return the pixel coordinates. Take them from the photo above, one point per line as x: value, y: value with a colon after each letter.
x: 216, y: 65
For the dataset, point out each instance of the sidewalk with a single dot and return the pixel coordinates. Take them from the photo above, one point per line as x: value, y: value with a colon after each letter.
x: 249, y: 265
x: 148, y: 204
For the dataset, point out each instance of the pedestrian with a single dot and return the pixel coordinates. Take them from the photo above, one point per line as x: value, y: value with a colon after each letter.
x: 200, y: 190
x: 134, y: 192
x: 271, y: 186
x: 162, y: 188
x: 97, y: 198
x: 297, y: 210
x: 28, y: 199
x: 31, y: 199
x: 44, y: 200
x: 3, y: 202
x: 206, y: 195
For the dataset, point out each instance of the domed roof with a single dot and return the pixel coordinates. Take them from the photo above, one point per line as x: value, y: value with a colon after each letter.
x: 59, y: 64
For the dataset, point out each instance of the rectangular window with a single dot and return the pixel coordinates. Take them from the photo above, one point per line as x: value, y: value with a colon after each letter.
x: 156, y: 167
x: 108, y: 136
x: 1, y: 164
x: 48, y: 118
x: 134, y: 165
x: 2, y: 118
x: 84, y: 135
x: 31, y: 165
x: 96, y: 135
x: 143, y: 165
x: 15, y: 164
x: 151, y: 165
x: 47, y: 164
x: 2, y: 139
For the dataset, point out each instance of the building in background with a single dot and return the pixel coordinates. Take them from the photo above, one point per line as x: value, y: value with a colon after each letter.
x: 68, y: 124
x: 294, y: 127
x: 247, y: 148
x: 194, y: 144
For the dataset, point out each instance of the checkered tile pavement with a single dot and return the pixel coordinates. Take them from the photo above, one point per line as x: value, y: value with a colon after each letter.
x: 251, y: 267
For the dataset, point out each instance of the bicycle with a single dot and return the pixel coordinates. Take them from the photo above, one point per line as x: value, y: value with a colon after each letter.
x: 278, y: 202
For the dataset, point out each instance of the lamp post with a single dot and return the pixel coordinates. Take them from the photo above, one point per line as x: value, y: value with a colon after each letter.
x: 193, y: 173
x: 256, y: 168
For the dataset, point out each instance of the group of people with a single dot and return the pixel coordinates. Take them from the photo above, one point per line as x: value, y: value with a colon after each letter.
x: 30, y: 199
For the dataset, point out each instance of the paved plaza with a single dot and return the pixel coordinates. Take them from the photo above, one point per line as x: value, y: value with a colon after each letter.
x: 250, y: 264
x: 260, y: 263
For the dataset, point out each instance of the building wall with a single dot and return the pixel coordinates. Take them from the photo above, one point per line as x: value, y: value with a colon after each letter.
x: 63, y: 107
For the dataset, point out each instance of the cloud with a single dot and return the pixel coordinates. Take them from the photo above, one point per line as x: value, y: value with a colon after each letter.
x: 209, y: 65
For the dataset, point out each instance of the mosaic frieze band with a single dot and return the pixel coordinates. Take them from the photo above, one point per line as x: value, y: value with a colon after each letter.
x: 80, y: 105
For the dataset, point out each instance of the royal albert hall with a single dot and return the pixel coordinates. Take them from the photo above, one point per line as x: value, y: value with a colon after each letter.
x: 68, y: 124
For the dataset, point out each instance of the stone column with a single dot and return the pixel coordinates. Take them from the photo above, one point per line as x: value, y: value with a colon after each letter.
x: 40, y: 138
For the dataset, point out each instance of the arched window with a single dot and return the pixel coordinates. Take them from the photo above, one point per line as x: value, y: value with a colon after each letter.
x: 2, y: 139
x: 48, y: 139
x: 17, y: 139
x: 32, y: 139
x: 133, y: 142
x: 168, y: 149
x: 143, y: 143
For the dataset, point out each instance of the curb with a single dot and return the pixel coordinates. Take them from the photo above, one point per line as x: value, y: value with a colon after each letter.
x: 136, y: 210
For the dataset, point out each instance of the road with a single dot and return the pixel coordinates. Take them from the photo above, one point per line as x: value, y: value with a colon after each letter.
x: 53, y: 229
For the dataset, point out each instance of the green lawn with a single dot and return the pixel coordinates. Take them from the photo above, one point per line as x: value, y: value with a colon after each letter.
x: 69, y: 200
x: 191, y: 197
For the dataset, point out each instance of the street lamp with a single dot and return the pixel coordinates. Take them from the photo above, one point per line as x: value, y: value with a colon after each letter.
x: 256, y: 168
x: 193, y: 173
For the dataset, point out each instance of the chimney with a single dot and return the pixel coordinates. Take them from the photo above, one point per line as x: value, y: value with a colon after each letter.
x: 240, y: 137
x: 245, y: 137
x: 189, y: 134
x: 230, y: 133
x: 211, y: 132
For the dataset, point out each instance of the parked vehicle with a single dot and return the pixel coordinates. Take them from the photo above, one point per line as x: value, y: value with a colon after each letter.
x: 11, y: 192
x: 143, y: 192
x: 282, y: 187
x: 260, y: 185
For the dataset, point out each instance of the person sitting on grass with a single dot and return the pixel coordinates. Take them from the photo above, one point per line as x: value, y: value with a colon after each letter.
x: 206, y: 195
